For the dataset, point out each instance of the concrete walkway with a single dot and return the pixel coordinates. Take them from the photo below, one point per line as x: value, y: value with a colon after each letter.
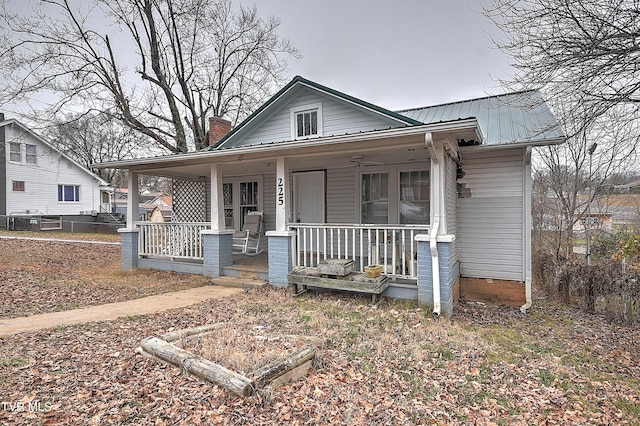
x: 110, y: 311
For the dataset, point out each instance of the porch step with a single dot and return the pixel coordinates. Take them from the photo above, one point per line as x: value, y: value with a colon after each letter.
x: 239, y: 282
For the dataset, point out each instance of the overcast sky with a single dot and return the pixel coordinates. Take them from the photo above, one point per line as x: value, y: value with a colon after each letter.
x: 396, y: 54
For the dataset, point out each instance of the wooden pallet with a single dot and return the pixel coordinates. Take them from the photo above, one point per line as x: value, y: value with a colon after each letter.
x: 302, y: 277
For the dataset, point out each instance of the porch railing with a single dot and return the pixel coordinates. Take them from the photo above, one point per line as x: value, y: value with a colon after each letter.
x: 391, y: 246
x: 171, y: 240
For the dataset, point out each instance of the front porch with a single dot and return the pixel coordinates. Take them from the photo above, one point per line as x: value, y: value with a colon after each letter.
x: 401, y: 250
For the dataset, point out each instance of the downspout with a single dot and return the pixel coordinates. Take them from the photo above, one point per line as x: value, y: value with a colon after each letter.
x: 435, y: 228
x: 527, y: 234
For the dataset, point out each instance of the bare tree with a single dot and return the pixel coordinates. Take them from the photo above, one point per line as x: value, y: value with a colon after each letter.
x: 161, y: 67
x: 96, y: 138
x: 583, y: 52
x: 582, y: 55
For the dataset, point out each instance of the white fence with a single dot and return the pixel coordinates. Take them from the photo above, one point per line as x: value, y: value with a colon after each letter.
x: 391, y: 246
x: 171, y: 240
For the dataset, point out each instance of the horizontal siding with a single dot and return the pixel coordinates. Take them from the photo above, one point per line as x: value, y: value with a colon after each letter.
x: 339, y: 118
x: 490, y: 238
x: 341, y: 196
x: 490, y: 222
x: 493, y: 173
x: 42, y: 179
x: 269, y: 201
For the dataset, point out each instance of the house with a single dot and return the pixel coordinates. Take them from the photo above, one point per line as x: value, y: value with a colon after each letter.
x: 37, y: 181
x: 610, y: 213
x: 439, y: 196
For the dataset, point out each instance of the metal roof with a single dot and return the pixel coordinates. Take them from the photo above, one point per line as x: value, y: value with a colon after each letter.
x: 502, y: 119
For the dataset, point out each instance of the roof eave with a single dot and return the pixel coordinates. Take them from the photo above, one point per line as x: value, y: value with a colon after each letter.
x: 291, y: 145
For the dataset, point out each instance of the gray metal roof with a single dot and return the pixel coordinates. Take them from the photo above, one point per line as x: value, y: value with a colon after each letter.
x: 502, y: 119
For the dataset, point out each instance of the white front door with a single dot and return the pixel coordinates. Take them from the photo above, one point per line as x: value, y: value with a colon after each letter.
x: 309, y: 201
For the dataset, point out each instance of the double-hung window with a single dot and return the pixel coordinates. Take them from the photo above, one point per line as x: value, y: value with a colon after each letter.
x: 375, y: 198
x: 414, y: 197
x: 15, y: 152
x: 395, y: 197
x: 68, y: 193
x: 31, y: 154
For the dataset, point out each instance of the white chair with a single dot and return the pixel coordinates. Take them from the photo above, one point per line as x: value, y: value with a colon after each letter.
x: 247, y: 241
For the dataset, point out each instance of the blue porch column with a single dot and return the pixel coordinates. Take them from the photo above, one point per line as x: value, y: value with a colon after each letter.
x: 280, y: 253
x: 449, y: 271
x: 129, y: 248
x: 217, y: 247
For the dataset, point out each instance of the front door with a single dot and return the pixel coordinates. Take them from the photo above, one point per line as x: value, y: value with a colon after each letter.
x: 309, y: 202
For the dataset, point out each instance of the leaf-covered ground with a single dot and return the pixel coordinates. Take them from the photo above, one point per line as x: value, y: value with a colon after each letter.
x: 385, y: 364
x: 46, y: 276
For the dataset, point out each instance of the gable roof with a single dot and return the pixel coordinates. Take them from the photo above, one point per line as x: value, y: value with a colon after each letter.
x: 502, y: 119
x: 300, y: 81
x: 40, y: 139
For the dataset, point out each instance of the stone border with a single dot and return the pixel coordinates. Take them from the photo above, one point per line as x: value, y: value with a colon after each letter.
x: 167, y: 348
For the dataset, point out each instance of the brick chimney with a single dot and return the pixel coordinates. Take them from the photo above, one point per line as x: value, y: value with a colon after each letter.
x: 218, y: 128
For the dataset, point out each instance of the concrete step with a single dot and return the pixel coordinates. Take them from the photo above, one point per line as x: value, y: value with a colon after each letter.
x: 239, y: 282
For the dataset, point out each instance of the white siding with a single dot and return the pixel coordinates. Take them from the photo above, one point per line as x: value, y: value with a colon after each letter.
x: 490, y: 223
x: 269, y: 201
x: 42, y: 179
x: 339, y: 118
x: 341, y: 196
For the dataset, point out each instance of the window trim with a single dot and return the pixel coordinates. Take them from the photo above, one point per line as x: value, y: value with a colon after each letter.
x: 393, y: 204
x: 19, y: 152
x: 76, y: 193
x: 293, y: 118
x: 28, y: 155
x: 18, y: 186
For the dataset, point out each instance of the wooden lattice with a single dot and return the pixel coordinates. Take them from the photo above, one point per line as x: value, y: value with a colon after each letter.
x: 189, y: 201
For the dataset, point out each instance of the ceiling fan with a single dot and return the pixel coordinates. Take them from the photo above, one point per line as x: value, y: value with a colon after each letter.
x: 359, y: 160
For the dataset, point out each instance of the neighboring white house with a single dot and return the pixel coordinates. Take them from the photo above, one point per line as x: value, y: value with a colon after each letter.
x: 38, y: 180
x: 439, y: 196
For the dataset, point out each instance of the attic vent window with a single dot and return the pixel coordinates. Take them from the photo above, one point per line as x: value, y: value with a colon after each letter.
x: 306, y: 121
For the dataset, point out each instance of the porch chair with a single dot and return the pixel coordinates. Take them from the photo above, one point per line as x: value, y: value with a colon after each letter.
x: 247, y: 241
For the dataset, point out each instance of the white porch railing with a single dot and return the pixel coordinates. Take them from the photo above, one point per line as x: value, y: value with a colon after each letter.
x: 391, y: 246
x: 171, y: 240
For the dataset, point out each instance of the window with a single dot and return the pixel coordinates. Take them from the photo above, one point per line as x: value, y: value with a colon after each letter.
x: 414, y: 197
x: 227, y: 191
x: 306, y: 121
x: 18, y: 185
x: 31, y: 154
x: 248, y: 199
x: 68, y: 193
x: 375, y: 198
x: 15, y: 153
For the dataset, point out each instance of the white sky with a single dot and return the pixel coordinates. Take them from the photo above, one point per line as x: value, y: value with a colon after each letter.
x: 394, y: 53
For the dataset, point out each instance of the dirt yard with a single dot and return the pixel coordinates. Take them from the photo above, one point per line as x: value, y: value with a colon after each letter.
x: 390, y: 363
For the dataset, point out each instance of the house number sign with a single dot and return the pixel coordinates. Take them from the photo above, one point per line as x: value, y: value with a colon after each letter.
x: 280, y: 191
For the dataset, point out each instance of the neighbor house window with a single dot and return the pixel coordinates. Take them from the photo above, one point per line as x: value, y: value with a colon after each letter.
x: 375, y: 198
x: 68, y: 193
x: 414, y: 197
x: 31, y: 154
x: 306, y: 121
x: 15, y: 153
x: 18, y: 185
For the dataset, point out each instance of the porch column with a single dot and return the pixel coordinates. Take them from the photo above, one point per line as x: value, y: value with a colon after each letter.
x: 217, y: 242
x: 281, y: 240
x: 448, y: 270
x: 129, y: 235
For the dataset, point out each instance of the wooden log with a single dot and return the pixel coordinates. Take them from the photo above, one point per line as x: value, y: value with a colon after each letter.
x: 199, y: 367
x: 264, y: 375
